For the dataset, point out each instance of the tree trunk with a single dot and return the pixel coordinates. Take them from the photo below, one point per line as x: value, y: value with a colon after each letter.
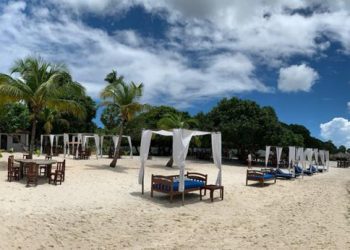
x: 169, y: 164
x: 116, y: 155
x: 32, y: 138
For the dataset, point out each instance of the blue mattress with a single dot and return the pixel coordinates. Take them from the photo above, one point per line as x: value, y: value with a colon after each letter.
x: 267, y: 176
x: 298, y: 170
x: 280, y: 174
x: 189, y: 184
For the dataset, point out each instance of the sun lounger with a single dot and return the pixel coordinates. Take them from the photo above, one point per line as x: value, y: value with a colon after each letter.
x: 321, y: 168
x: 170, y: 184
x: 298, y: 170
x: 261, y: 176
x: 312, y: 169
x: 283, y: 173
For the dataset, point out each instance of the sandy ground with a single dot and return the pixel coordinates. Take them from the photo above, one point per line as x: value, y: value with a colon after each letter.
x: 102, y: 208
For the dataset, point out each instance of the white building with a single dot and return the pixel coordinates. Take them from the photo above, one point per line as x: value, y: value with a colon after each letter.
x: 16, y: 141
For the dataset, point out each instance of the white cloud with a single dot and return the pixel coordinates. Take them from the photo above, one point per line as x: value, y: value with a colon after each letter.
x: 337, y: 130
x: 296, y: 78
x: 246, y: 33
x: 91, y: 53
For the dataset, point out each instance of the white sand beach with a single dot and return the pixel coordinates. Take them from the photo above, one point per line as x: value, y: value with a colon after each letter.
x: 102, y: 208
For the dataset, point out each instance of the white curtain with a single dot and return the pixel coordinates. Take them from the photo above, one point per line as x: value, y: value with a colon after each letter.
x: 84, y: 142
x: 65, y: 143
x: 279, y: 153
x: 97, y: 144
x: 316, y: 156
x: 144, y: 150
x: 181, y: 141
x: 322, y: 156
x: 52, y: 137
x: 80, y: 137
x: 41, y: 144
x: 291, y: 156
x: 267, y: 154
x: 56, y: 138
x: 216, y: 148
x: 129, y: 140
x: 327, y: 159
x: 101, y: 145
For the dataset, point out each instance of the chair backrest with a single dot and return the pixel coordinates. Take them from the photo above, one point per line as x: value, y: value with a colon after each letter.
x: 25, y: 156
x: 61, y: 166
x: 10, y: 162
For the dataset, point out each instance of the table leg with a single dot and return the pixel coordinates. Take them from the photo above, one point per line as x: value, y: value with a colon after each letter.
x: 200, y: 194
x: 222, y: 193
x: 48, y: 170
x: 211, y: 195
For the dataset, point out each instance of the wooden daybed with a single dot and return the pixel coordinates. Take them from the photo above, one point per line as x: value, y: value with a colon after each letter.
x: 261, y: 176
x: 170, y: 184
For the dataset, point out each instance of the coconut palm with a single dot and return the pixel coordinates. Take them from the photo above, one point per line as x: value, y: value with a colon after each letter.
x: 41, y: 85
x: 124, y: 97
x: 51, y: 117
x: 172, y: 121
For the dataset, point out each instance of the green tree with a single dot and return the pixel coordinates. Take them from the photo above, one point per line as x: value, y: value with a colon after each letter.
x: 50, y: 118
x: 342, y: 149
x: 14, y: 117
x: 110, y: 118
x: 41, y: 85
x: 124, y: 97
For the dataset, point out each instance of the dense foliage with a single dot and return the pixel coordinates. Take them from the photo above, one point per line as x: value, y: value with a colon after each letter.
x: 244, y: 125
x: 14, y: 117
x: 40, y: 85
x: 46, y: 100
x: 124, y: 98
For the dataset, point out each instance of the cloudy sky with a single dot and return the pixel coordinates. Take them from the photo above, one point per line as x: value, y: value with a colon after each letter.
x: 290, y: 54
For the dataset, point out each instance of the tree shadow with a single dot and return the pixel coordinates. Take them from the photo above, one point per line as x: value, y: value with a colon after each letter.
x: 259, y: 185
x: 104, y: 167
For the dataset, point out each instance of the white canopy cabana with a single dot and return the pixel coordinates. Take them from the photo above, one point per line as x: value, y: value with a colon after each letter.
x: 52, y: 138
x: 181, y: 142
x: 115, y: 139
x: 77, y: 139
x: 278, y: 154
x: 96, y: 137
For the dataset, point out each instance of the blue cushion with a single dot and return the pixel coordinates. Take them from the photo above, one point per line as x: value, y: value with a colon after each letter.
x: 188, y: 185
x: 266, y: 176
x: 284, y: 175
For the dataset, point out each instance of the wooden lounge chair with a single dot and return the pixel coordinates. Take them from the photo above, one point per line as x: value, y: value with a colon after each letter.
x: 32, y: 174
x: 43, y: 168
x: 170, y: 184
x: 58, y: 175
x: 13, y: 172
x: 261, y: 176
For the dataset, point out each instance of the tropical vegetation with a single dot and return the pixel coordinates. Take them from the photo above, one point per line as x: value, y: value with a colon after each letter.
x: 40, y: 85
x: 124, y: 98
x: 42, y: 97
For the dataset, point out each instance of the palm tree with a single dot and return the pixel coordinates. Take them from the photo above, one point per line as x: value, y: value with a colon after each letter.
x: 172, y: 121
x: 50, y: 118
x: 41, y: 85
x: 124, y: 97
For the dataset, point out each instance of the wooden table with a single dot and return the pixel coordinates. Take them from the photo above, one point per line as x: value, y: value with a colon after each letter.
x: 212, y: 188
x: 41, y: 162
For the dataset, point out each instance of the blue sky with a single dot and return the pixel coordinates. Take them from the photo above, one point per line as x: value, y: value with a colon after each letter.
x: 292, y: 55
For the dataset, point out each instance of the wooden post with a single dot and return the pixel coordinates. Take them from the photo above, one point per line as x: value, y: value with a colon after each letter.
x: 183, y: 197
x: 143, y: 180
